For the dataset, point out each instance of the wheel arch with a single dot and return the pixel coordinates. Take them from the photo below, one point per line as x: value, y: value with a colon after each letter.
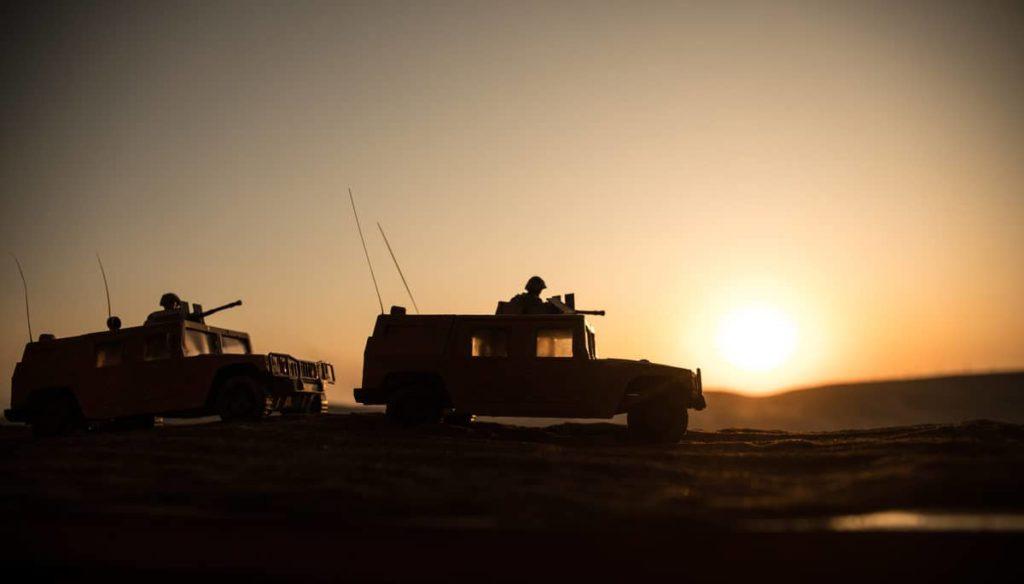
x: 39, y: 396
x: 646, y: 386
x: 227, y: 372
x: 429, y: 380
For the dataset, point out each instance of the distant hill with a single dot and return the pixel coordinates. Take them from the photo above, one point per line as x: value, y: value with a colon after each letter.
x: 995, y: 396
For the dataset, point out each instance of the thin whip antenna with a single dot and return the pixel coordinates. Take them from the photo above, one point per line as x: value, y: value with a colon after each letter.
x: 397, y: 267
x: 363, y: 239
x: 106, y: 287
x: 24, y: 285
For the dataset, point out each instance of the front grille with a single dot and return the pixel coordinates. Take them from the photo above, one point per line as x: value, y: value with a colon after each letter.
x: 308, y: 370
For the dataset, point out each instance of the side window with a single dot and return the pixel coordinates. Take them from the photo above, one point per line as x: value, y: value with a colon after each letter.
x: 109, y: 354
x: 157, y: 347
x: 554, y: 343
x: 233, y: 345
x: 199, y: 343
x: 489, y: 343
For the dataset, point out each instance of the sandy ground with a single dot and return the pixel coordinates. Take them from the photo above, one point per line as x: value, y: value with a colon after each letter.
x: 352, y: 497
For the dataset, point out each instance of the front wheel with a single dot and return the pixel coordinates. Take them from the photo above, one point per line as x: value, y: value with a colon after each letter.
x: 663, y: 418
x: 242, y: 398
x: 318, y: 404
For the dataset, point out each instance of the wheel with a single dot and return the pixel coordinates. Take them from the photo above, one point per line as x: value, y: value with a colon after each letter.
x: 299, y: 405
x: 318, y: 405
x: 242, y: 398
x: 415, y: 406
x: 56, y: 416
x: 662, y: 418
x: 307, y: 404
x: 459, y: 419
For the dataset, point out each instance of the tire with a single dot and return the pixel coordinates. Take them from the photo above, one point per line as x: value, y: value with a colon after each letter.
x: 241, y: 398
x: 57, y: 415
x: 662, y: 419
x: 318, y: 405
x: 459, y: 419
x: 307, y: 405
x: 300, y: 406
x: 415, y: 406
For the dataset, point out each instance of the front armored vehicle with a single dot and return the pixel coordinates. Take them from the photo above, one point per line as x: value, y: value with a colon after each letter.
x: 174, y: 365
x: 425, y: 368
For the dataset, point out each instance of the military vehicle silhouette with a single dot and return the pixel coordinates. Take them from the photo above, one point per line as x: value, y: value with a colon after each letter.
x: 429, y: 367
x: 175, y: 365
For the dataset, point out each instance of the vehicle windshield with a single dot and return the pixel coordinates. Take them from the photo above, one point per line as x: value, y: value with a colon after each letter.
x: 591, y: 343
x: 199, y: 343
x: 234, y: 345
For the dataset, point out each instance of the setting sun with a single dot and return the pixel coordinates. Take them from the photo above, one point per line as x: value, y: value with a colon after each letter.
x: 756, y: 338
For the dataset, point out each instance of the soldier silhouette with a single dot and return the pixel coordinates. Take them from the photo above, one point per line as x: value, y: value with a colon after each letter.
x: 528, y: 302
x: 173, y: 308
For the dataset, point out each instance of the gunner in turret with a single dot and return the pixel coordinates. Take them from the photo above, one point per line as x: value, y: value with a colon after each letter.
x: 529, y: 302
x: 173, y: 308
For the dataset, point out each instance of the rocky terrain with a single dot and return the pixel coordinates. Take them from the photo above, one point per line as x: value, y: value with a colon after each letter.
x: 353, y: 496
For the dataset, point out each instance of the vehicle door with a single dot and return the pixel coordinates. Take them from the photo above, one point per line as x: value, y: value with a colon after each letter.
x: 109, y: 382
x: 201, y: 351
x: 484, y: 378
x: 162, y: 373
x: 556, y: 369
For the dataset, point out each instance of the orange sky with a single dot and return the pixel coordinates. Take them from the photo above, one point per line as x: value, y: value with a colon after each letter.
x: 855, y: 168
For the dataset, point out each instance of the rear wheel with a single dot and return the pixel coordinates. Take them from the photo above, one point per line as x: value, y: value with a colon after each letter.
x: 663, y: 418
x: 242, y: 398
x: 415, y: 406
x: 57, y: 415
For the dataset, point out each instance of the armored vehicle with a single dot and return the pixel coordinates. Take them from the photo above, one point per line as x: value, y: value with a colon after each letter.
x: 175, y: 366
x: 425, y: 367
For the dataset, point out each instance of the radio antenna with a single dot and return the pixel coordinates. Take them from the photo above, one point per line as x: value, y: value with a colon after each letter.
x: 24, y: 285
x: 106, y: 287
x: 363, y: 240
x: 397, y: 267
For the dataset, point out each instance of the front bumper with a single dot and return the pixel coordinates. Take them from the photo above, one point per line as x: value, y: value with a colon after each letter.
x: 698, y: 403
x: 289, y: 375
x: 697, y: 400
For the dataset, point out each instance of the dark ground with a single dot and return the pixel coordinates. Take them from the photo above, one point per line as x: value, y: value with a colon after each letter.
x: 350, y: 497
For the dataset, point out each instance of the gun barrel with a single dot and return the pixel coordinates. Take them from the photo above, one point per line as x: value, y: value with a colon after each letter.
x: 220, y: 308
x: 591, y: 312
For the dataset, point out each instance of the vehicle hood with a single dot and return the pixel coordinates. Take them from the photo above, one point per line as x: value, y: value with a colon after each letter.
x: 645, y: 365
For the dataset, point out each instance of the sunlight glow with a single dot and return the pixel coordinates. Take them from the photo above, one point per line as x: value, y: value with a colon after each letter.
x: 756, y: 338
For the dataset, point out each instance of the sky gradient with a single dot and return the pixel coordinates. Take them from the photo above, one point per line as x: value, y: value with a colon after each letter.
x: 855, y: 166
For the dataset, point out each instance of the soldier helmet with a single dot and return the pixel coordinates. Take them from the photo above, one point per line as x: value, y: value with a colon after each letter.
x: 170, y: 301
x: 535, y: 284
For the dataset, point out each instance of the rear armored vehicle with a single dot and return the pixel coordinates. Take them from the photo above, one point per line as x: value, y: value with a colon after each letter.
x: 427, y: 367
x: 175, y: 365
